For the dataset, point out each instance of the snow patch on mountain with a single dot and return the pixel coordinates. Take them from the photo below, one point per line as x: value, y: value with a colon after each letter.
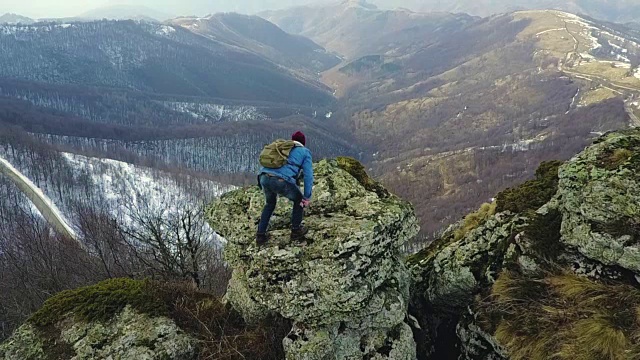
x: 165, y: 30
x: 216, y: 113
x: 126, y: 186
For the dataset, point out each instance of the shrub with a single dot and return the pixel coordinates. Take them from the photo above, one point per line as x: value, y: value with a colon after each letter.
x: 532, y: 194
x: 613, y: 159
x: 100, y: 302
x: 544, y: 233
x: 470, y: 222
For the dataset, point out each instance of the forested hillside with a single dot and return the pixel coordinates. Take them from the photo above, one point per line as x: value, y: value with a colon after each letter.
x: 451, y: 116
x: 262, y: 37
x: 125, y: 217
x: 147, y: 57
x: 132, y: 90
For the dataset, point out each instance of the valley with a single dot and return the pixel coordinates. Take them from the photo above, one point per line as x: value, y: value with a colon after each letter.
x: 470, y: 158
x: 460, y: 116
x: 443, y: 108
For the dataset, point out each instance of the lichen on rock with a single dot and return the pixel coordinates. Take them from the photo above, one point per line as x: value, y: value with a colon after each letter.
x: 129, y: 335
x: 346, y: 286
x: 599, y: 194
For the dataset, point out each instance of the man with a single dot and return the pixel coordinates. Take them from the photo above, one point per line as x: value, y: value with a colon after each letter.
x: 283, y: 182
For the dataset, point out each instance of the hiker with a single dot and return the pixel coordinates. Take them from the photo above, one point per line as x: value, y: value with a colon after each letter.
x: 282, y: 181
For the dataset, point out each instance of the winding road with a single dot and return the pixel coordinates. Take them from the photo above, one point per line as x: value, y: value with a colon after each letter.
x: 606, y: 83
x: 44, y: 205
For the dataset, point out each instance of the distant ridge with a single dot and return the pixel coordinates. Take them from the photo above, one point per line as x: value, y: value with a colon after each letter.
x: 12, y: 19
x: 126, y: 12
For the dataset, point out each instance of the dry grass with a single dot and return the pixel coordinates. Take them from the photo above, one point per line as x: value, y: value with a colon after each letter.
x: 621, y: 156
x: 475, y: 219
x: 565, y: 317
x: 604, y: 69
x: 596, y: 96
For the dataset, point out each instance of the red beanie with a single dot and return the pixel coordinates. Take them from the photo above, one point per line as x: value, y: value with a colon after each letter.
x: 299, y: 137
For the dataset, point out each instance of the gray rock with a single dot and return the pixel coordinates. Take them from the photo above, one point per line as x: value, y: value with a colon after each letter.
x: 346, y: 288
x: 599, y: 197
x: 130, y: 335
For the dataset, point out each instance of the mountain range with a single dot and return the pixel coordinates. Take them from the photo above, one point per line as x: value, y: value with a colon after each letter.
x: 453, y: 108
x: 148, y: 57
x: 610, y: 10
x: 358, y: 28
x: 443, y: 108
x: 125, y: 12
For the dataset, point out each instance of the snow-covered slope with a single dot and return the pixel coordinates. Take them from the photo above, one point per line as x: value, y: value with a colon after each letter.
x: 127, y: 188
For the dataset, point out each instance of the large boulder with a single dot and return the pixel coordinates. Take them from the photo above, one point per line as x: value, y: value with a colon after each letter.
x: 346, y: 287
x: 599, y: 197
x: 115, y: 319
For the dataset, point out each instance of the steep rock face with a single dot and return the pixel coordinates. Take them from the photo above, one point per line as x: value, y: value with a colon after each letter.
x: 450, y: 273
x: 492, y: 293
x: 345, y: 287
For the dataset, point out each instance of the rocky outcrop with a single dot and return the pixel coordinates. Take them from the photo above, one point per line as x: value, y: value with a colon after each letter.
x: 535, y: 260
x: 599, y: 197
x: 115, y: 319
x: 346, y: 287
x: 130, y: 335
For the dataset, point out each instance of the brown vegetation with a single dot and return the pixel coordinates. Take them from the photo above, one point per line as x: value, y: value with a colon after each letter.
x: 564, y: 316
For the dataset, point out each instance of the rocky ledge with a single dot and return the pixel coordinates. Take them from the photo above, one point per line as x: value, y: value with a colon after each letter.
x: 346, y: 287
x: 551, y: 272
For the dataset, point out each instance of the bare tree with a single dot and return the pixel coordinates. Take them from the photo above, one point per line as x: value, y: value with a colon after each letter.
x: 170, y: 238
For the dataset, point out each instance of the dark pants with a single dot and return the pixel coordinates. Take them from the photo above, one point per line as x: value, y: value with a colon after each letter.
x: 274, y: 187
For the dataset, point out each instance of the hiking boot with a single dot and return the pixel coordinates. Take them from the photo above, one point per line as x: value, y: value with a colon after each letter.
x: 299, y: 233
x: 262, y: 239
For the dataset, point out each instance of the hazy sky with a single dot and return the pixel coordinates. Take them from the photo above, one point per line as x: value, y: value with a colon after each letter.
x: 68, y: 8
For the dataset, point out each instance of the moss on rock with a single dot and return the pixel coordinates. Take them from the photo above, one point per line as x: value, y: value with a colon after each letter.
x: 582, y: 216
x: 101, y: 302
x: 600, y: 201
x: 357, y: 170
x: 130, y: 319
x: 532, y: 194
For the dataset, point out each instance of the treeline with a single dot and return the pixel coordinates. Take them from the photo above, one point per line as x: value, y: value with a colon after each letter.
x: 70, y: 179
x: 226, y: 149
x: 135, y: 108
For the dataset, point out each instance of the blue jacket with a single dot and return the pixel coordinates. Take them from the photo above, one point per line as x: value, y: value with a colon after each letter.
x: 299, y: 159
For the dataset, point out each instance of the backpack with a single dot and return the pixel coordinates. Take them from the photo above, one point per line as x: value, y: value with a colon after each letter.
x: 275, y: 155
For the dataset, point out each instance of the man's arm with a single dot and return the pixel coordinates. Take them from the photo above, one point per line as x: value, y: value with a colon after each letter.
x: 307, y: 168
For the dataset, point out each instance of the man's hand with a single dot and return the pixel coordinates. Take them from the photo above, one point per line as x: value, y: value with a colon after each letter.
x: 305, y: 203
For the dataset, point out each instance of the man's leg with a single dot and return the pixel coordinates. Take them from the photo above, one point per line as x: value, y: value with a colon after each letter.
x: 293, y: 193
x: 271, y: 198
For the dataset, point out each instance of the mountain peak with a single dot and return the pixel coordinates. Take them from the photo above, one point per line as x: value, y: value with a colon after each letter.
x: 11, y: 18
x: 359, y: 4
